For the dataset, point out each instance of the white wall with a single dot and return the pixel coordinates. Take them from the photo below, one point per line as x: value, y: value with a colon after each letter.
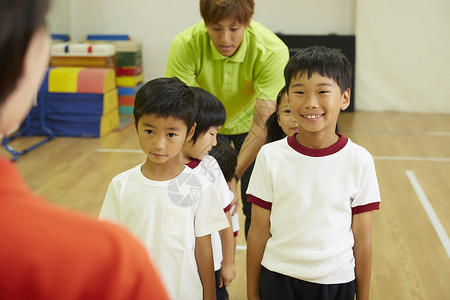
x: 59, y: 17
x: 403, y: 55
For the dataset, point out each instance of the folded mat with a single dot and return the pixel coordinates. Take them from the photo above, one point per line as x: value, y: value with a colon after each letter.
x: 81, y: 80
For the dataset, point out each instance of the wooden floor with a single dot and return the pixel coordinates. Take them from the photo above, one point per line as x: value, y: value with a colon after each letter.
x: 412, y: 157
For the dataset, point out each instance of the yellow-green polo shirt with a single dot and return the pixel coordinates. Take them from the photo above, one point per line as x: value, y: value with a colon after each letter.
x: 255, y: 71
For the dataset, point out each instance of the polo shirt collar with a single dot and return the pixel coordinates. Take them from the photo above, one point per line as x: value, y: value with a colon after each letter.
x: 238, y: 56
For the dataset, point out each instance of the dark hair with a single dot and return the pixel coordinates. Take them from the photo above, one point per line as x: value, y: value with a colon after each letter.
x: 19, y: 20
x: 319, y: 59
x: 274, y: 131
x: 213, y: 11
x: 226, y: 156
x: 211, y: 112
x: 166, y: 97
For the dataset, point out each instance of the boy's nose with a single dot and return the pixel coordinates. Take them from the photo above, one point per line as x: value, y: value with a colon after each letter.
x: 311, y: 102
x: 158, y: 143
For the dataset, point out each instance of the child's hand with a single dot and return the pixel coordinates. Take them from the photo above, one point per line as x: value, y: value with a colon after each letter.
x: 227, y: 274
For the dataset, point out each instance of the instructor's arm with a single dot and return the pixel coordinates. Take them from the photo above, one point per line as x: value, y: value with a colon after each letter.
x: 256, y: 136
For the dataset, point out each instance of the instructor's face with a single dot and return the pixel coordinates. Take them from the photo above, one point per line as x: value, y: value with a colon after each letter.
x: 226, y: 35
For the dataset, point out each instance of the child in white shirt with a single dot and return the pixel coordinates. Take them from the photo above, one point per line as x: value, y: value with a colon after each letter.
x: 170, y: 208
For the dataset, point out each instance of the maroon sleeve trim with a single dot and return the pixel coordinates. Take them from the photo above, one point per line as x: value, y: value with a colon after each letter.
x: 227, y: 209
x: 235, y: 233
x: 365, y: 208
x: 259, y: 202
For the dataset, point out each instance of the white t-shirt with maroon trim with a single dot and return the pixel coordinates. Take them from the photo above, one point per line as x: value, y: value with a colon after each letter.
x: 167, y: 216
x: 210, y: 168
x: 312, y: 194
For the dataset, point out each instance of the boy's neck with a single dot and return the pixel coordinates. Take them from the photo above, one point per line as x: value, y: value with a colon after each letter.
x: 185, y: 159
x: 319, y: 140
x: 164, y: 171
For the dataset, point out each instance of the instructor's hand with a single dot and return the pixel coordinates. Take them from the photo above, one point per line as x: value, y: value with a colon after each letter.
x: 235, y: 203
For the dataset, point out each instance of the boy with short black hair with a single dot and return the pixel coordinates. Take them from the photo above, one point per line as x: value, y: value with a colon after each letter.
x: 226, y: 157
x: 313, y: 194
x: 210, y: 117
x: 171, y: 209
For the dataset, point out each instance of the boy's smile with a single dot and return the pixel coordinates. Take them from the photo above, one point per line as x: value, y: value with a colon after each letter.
x: 315, y: 103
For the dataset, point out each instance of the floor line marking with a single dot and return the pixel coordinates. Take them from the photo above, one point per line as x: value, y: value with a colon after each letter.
x: 120, y: 150
x: 442, y: 234
x: 443, y: 133
x: 241, y: 247
x: 412, y: 158
x: 436, y: 133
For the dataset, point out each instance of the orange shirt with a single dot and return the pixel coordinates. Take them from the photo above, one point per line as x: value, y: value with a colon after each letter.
x: 47, y: 252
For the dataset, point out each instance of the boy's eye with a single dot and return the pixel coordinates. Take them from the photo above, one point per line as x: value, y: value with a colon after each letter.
x: 323, y: 92
x: 235, y: 29
x: 171, y: 135
x: 287, y: 111
x: 299, y: 92
x: 148, y: 131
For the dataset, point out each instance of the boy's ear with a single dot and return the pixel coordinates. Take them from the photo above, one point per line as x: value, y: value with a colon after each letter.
x: 134, y: 122
x: 191, y: 132
x: 345, y: 99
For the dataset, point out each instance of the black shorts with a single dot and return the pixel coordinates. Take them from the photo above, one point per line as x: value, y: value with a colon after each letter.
x: 221, y: 292
x: 278, y: 286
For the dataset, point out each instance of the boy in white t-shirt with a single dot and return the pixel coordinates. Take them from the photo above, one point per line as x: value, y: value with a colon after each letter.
x: 170, y: 208
x: 211, y: 116
x: 313, y: 194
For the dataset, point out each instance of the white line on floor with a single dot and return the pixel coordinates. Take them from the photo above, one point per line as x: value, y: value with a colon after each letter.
x: 120, y: 150
x: 241, y: 247
x: 412, y: 158
x: 444, y: 133
x: 442, y: 234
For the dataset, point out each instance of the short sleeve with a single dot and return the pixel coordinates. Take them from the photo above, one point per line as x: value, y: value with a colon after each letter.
x: 110, y: 208
x: 368, y: 196
x: 261, y: 184
x: 209, y: 215
x: 181, y: 61
x: 271, y: 77
x: 220, y: 183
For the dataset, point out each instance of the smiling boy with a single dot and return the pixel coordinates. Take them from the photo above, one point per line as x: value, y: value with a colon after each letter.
x: 313, y: 194
x: 172, y: 210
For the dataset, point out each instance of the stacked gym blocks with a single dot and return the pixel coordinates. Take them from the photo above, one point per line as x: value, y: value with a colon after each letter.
x: 86, y: 87
x: 128, y: 73
x: 77, y: 102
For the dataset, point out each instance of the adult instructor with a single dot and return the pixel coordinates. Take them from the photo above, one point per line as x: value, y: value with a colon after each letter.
x: 241, y: 62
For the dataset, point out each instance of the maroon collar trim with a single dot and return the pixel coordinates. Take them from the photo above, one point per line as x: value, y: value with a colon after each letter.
x: 193, y: 164
x: 317, y: 152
